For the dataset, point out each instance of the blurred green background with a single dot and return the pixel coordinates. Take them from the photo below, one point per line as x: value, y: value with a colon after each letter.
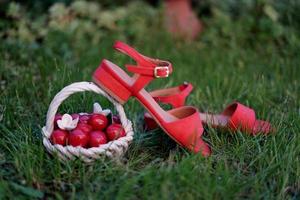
x: 33, y: 20
x: 248, y: 51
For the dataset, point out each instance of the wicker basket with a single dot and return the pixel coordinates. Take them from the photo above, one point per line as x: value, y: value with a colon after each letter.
x: 112, y: 149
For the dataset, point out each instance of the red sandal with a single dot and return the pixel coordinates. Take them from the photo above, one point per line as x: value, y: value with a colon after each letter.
x: 235, y: 116
x: 182, y: 124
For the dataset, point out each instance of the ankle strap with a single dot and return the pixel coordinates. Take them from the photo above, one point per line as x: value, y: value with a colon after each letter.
x: 145, y: 66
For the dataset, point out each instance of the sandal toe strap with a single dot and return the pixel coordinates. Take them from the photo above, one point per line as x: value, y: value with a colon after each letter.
x: 240, y: 117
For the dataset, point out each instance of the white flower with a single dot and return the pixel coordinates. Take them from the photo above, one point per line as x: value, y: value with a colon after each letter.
x: 98, y: 109
x: 67, y: 122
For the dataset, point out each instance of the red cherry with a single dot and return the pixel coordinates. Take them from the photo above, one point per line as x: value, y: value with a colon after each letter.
x: 78, y: 138
x: 75, y: 116
x: 97, y: 138
x: 98, y: 121
x: 84, y: 118
x: 115, y: 131
x: 57, y: 117
x: 59, y: 137
x: 116, y: 119
x: 84, y: 127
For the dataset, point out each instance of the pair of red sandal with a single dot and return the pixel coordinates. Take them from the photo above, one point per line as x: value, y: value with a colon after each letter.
x: 182, y: 123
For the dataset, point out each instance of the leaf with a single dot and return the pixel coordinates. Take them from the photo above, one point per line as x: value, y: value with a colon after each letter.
x: 271, y: 12
x: 80, y: 7
x: 58, y: 10
x: 14, y: 10
x: 27, y: 190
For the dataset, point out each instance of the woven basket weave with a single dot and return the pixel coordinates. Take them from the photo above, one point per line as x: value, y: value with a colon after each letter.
x: 112, y: 149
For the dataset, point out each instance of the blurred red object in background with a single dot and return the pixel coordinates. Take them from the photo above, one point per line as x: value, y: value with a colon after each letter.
x: 181, y: 21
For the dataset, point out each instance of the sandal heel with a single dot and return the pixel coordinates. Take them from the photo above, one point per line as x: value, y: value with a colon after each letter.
x: 111, y: 85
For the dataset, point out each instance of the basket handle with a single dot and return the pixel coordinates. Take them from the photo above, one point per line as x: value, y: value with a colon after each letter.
x: 68, y: 91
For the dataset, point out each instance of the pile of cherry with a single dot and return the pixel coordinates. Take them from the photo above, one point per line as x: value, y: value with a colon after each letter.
x: 92, y: 130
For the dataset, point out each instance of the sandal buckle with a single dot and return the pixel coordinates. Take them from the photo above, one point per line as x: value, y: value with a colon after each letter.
x: 157, y: 68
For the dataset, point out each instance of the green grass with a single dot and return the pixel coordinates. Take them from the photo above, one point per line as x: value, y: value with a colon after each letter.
x: 263, y: 74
